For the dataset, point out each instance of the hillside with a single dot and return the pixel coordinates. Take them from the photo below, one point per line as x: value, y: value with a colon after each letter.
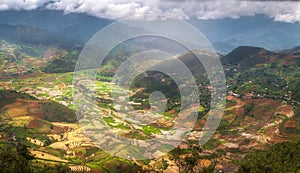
x: 49, y: 138
x: 282, y: 157
x: 254, y: 118
x: 33, y: 35
x: 247, y: 56
x: 77, y: 27
x: 294, y: 51
x: 262, y: 72
x: 27, y: 50
x: 19, y: 59
x: 262, y: 106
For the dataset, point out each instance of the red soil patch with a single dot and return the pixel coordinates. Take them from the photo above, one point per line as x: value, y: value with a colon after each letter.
x: 264, y: 102
x: 199, y: 124
x: 289, y: 60
x: 290, y: 124
x: 262, y: 113
x: 38, y: 113
x: 230, y: 97
x: 35, y: 124
x: 56, y: 130
x: 239, y: 111
x: 95, y: 170
x: 172, y: 111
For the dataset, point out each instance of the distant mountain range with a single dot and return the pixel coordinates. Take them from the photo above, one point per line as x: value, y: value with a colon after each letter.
x: 78, y: 27
x: 224, y: 34
x: 33, y: 35
x: 259, y: 30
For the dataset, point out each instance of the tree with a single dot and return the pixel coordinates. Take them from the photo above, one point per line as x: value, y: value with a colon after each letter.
x: 15, y: 159
x: 282, y: 157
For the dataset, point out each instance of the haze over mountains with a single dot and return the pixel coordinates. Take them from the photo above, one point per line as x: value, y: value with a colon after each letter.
x: 224, y: 34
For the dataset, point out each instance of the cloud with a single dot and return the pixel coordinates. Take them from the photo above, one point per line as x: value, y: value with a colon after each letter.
x: 279, y: 10
x: 21, y: 4
x: 284, y: 11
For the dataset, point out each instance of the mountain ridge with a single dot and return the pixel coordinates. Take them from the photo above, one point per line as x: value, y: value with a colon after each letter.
x: 32, y: 35
x: 224, y: 34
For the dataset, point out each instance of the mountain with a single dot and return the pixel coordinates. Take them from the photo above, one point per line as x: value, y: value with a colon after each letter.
x: 294, y: 51
x: 224, y: 34
x: 32, y: 35
x: 242, y: 52
x: 258, y: 30
x: 257, y: 70
x: 78, y: 27
x: 247, y: 56
x: 248, y: 70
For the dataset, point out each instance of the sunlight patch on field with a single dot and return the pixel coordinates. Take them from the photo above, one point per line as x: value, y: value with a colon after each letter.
x: 47, y: 156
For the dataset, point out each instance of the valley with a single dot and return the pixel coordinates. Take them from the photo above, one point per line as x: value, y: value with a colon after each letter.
x: 252, y: 120
x: 37, y: 110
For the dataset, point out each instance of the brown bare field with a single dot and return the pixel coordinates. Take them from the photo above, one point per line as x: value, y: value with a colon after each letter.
x: 22, y: 120
x: 35, y: 110
x: 28, y: 113
x: 264, y: 102
x: 17, y: 111
x: 35, y: 124
x: 47, y: 156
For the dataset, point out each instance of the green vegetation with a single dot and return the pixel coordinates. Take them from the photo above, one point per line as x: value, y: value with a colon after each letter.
x: 135, y: 135
x: 7, y: 97
x: 245, y: 56
x: 62, y: 64
x: 282, y: 157
x: 188, y: 163
x: 32, y: 35
x: 211, y: 144
x: 109, y: 120
x: 248, y: 108
x: 15, y: 157
x: 272, y: 75
x: 55, y: 112
x: 262, y: 73
x: 148, y: 130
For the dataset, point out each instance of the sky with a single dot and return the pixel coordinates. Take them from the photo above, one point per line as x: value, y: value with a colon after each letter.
x: 283, y: 11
